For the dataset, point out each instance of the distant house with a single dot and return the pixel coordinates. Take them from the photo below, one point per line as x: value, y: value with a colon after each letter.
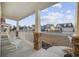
x: 4, y: 27
x: 49, y: 27
x: 65, y: 27
x: 33, y: 27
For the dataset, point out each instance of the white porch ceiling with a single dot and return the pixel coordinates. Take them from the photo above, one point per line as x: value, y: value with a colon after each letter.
x: 19, y: 10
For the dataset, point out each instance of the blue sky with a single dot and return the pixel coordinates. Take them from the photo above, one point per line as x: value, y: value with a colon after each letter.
x: 59, y: 13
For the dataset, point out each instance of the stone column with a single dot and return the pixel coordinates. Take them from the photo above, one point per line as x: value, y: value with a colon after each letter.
x: 75, y: 38
x: 37, y: 40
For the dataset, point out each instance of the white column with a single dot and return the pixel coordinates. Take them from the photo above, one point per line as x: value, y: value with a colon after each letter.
x: 0, y: 17
x: 77, y: 20
x: 0, y: 14
x: 17, y: 26
x: 37, y: 21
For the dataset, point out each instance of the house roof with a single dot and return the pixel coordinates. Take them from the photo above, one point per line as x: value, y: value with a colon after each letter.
x: 65, y: 25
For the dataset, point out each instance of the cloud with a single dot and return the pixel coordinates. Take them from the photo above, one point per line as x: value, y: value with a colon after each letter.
x: 52, y: 17
x: 57, y: 17
x: 56, y: 14
x: 69, y: 17
x: 58, y: 5
x: 61, y: 11
x: 68, y: 11
x: 45, y: 10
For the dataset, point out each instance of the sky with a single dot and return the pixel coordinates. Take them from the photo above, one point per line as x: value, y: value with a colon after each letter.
x: 59, y: 13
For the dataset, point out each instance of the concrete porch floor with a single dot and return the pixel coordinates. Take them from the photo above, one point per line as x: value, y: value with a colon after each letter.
x: 25, y: 48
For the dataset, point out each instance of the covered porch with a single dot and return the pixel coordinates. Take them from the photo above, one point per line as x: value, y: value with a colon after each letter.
x: 29, y: 44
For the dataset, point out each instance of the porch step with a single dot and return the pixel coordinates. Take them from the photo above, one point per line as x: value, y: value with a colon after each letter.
x: 7, y: 49
x: 6, y: 46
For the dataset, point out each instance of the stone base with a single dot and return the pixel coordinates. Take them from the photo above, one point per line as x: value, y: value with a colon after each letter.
x: 37, y: 41
x: 75, y: 42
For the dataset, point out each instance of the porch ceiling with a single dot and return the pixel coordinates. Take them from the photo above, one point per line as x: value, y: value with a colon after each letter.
x: 19, y: 10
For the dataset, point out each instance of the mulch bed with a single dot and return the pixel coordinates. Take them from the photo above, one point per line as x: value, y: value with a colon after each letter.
x: 46, y: 45
x: 67, y: 55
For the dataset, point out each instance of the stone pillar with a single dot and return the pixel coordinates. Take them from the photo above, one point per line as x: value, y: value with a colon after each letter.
x: 75, y: 38
x: 37, y: 40
x: 17, y: 29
